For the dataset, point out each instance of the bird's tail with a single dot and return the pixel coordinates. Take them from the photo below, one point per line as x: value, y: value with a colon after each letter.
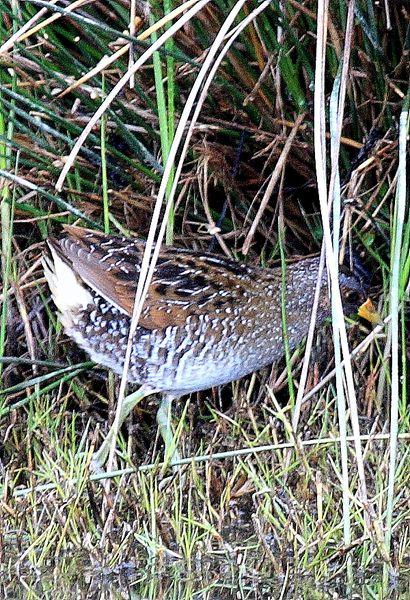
x: 68, y: 292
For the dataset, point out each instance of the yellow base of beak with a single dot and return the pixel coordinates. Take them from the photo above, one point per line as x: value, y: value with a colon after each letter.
x: 368, y: 311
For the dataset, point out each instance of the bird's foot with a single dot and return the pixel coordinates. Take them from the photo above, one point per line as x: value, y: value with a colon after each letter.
x: 96, y: 467
x: 177, y: 470
x: 99, y: 457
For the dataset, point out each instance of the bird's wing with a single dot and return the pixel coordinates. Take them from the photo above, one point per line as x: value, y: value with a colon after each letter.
x: 184, y: 283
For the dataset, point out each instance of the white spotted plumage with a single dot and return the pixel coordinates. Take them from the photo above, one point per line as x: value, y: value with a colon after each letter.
x: 206, y: 321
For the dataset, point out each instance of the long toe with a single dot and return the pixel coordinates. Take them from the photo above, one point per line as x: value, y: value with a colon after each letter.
x: 96, y: 464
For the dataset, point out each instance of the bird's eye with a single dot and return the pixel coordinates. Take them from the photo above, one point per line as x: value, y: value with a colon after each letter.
x: 353, y: 296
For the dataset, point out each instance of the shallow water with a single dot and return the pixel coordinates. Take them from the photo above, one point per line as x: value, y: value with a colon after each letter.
x: 207, y: 581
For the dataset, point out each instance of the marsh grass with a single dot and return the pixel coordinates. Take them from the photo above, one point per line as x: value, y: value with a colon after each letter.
x: 295, y: 506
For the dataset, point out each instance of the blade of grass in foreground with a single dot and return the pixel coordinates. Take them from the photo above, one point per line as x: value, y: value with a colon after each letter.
x: 398, y: 223
x: 41, y: 378
x: 6, y: 133
x: 166, y: 110
x: 6, y: 136
x: 104, y: 178
x: 337, y: 104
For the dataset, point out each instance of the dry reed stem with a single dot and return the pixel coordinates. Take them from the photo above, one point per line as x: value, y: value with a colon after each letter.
x: 274, y: 178
x: 337, y: 311
x: 399, y: 215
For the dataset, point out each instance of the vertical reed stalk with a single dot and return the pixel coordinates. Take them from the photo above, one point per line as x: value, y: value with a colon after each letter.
x: 320, y: 157
x: 397, y: 236
x: 104, y: 178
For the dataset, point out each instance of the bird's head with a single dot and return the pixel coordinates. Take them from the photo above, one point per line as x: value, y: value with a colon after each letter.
x: 354, y: 288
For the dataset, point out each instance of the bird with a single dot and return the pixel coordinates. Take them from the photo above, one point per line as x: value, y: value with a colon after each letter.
x: 206, y: 321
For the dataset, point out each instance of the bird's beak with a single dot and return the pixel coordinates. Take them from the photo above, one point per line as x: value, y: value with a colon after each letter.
x: 368, y: 311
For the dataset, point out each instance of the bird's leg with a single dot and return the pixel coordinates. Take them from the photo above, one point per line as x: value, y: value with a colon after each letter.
x: 164, y: 415
x: 101, y: 455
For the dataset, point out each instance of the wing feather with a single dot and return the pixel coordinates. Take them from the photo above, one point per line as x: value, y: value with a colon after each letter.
x: 184, y: 283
